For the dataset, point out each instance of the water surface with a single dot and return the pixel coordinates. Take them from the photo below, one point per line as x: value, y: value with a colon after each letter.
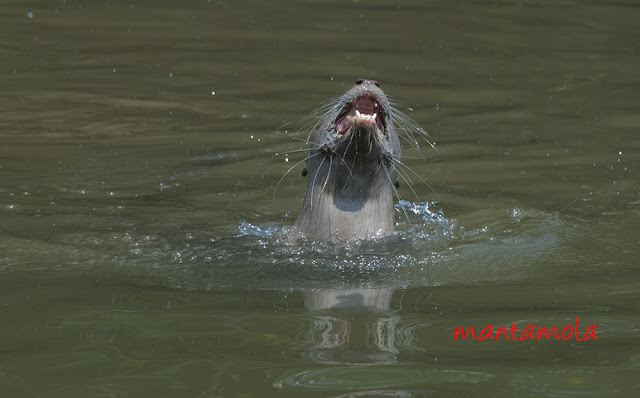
x: 141, y: 144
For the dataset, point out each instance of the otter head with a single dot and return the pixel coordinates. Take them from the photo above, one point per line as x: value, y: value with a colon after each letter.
x: 351, y: 169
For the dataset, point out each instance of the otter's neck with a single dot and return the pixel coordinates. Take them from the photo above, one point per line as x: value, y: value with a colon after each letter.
x: 347, y: 201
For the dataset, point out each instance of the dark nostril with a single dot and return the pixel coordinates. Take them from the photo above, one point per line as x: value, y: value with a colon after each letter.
x: 360, y: 81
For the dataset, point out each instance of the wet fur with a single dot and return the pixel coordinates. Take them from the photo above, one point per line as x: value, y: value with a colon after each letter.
x: 351, y: 179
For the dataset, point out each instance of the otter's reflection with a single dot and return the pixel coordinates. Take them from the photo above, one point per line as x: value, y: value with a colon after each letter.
x: 352, y: 326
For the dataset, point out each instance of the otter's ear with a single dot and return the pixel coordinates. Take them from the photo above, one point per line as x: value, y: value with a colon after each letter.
x: 304, y: 171
x: 397, y: 184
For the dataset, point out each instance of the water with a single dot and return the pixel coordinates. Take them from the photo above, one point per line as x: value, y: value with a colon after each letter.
x: 140, y: 235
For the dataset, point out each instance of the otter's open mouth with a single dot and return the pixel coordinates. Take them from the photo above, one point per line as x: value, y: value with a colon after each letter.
x: 364, y: 111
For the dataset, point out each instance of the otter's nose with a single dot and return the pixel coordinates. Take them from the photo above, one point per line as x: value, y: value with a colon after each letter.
x: 360, y: 81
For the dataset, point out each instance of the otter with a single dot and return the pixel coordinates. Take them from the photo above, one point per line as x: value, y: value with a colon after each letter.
x: 352, y: 169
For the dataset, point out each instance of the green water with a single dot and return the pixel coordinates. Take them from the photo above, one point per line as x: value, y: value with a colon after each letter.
x: 141, y: 143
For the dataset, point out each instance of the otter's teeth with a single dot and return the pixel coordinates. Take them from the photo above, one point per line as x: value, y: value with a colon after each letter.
x: 363, y: 117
